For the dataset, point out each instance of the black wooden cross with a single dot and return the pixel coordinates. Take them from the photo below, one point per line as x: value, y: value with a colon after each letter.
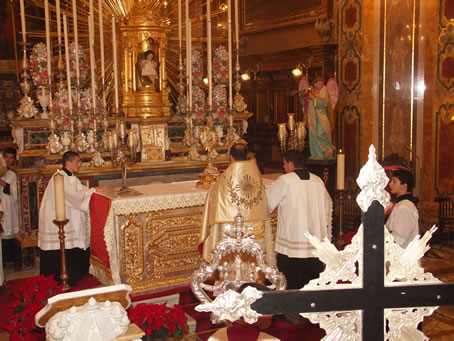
x: 372, y: 299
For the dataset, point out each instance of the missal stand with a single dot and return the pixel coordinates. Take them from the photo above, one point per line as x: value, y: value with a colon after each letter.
x: 373, y: 304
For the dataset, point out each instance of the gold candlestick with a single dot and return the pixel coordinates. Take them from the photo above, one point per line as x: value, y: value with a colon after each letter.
x: 61, y: 235
x: 340, y: 240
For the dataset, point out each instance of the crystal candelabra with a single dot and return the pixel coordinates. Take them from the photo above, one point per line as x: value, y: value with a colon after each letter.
x: 295, y: 138
x: 123, y: 150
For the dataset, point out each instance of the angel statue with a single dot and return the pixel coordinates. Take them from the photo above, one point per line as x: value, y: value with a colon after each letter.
x: 318, y: 104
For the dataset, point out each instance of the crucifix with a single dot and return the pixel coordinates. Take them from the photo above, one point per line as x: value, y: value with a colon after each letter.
x: 382, y: 303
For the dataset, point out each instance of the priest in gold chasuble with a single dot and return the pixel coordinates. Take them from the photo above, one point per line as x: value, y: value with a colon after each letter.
x: 239, y: 189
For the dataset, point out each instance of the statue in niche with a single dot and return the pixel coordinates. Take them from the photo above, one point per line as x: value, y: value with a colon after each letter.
x: 147, y: 67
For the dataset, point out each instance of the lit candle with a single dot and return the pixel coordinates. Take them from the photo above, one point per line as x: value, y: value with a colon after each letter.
x: 340, y: 170
x: 237, y: 26
x: 282, y: 131
x: 22, y: 17
x: 57, y: 4
x: 114, y: 139
x: 189, y: 66
x: 76, y: 40
x: 91, y: 42
x: 109, y: 141
x: 229, y: 32
x: 114, y: 46
x: 68, y: 72
x: 179, y: 24
x: 60, y: 209
x: 209, y: 61
x: 49, y: 57
x: 122, y: 129
x: 131, y: 140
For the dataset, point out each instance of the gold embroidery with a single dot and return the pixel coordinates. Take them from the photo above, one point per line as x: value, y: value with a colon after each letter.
x: 247, y: 193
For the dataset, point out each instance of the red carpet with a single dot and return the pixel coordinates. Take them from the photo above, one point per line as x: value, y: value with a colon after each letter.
x: 281, y: 329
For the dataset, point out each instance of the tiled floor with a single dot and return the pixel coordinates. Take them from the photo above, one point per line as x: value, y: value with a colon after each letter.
x: 439, y: 261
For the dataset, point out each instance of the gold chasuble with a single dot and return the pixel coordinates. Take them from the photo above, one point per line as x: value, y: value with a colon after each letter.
x: 239, y: 189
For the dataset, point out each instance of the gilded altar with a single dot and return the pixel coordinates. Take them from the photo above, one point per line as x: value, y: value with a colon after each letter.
x: 149, y: 240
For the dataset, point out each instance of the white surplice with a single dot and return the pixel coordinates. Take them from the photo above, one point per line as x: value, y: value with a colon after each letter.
x: 304, y: 206
x: 403, y: 222
x: 10, y: 220
x: 77, y: 198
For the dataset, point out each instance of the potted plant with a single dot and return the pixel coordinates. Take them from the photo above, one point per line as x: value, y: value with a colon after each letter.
x: 159, y: 322
x: 31, y: 298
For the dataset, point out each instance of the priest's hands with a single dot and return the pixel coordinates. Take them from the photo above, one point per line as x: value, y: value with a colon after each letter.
x: 101, y: 188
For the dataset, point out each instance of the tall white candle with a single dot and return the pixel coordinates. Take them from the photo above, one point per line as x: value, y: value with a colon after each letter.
x: 187, y: 40
x: 229, y: 32
x: 57, y: 4
x: 189, y: 67
x: 91, y: 42
x: 340, y: 170
x: 90, y: 8
x: 114, y: 49
x: 22, y: 17
x: 237, y: 26
x: 59, y: 185
x: 68, y: 72
x: 101, y: 37
x: 76, y: 40
x: 179, y: 24
x: 209, y: 61
x: 49, y: 56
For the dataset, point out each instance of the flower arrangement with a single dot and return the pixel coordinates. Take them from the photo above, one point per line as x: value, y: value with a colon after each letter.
x: 219, y: 104
x: 198, y: 104
x: 159, y: 320
x: 31, y: 298
x: 83, y: 64
x: 197, y: 67
x: 38, y: 65
x: 221, y: 66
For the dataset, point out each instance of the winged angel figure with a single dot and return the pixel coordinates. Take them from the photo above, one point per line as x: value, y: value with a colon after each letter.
x: 318, y: 104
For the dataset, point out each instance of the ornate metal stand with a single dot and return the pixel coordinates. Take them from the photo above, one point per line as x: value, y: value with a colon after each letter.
x: 339, y: 240
x: 61, y: 235
x: 294, y: 140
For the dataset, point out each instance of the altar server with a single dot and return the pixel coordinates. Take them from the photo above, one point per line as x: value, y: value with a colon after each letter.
x: 77, y: 234
x: 403, y: 220
x: 239, y: 189
x: 304, y: 206
x: 9, y: 214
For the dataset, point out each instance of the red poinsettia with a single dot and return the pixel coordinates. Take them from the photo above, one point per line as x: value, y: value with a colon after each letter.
x: 32, y: 297
x: 159, y: 320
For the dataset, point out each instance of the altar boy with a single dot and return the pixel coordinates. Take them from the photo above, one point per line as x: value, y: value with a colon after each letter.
x: 77, y: 236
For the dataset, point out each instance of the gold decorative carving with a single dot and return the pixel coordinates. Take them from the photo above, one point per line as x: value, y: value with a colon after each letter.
x: 172, y: 244
x: 142, y: 31
x: 132, y: 250
x: 246, y: 193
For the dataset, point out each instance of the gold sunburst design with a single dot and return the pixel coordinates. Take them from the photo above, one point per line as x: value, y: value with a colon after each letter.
x: 246, y: 193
